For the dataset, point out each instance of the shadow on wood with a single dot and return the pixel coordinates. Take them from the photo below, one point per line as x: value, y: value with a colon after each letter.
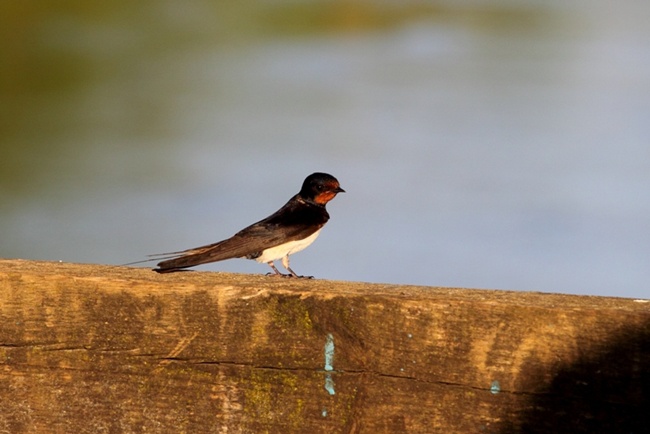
x: 91, y: 349
x: 607, y: 390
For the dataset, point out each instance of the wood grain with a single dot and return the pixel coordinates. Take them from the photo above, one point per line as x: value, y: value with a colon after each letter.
x: 101, y: 349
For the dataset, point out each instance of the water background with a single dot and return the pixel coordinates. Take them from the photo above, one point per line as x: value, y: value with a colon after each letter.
x: 484, y: 144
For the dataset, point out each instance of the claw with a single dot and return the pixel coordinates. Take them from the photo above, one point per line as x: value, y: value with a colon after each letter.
x: 285, y: 262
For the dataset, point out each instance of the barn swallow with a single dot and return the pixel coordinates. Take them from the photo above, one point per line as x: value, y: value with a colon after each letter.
x: 289, y: 230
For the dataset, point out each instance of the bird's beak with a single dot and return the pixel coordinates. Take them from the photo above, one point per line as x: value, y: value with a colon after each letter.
x: 339, y: 190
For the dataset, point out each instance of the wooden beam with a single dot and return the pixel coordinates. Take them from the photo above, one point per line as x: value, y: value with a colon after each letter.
x: 101, y: 349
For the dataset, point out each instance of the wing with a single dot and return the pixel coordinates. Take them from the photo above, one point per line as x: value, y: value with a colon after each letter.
x: 290, y: 223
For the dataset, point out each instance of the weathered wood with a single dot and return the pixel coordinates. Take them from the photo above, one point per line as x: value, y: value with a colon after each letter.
x: 100, y: 349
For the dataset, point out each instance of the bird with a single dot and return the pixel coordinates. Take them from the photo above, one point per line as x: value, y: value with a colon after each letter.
x: 285, y: 232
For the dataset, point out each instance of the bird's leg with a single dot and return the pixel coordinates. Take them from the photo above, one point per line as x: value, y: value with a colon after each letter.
x: 285, y: 264
x: 277, y: 272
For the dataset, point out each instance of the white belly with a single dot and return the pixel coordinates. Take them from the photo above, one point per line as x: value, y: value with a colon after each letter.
x: 285, y: 249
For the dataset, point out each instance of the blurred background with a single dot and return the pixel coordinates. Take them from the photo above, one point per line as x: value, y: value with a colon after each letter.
x: 482, y: 143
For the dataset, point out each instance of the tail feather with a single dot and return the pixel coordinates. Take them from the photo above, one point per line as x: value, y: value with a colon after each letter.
x: 181, y: 262
x: 159, y: 256
x: 155, y: 257
x: 226, y: 249
x: 238, y: 246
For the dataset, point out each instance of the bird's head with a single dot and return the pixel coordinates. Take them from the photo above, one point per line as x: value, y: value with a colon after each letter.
x: 320, y: 188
